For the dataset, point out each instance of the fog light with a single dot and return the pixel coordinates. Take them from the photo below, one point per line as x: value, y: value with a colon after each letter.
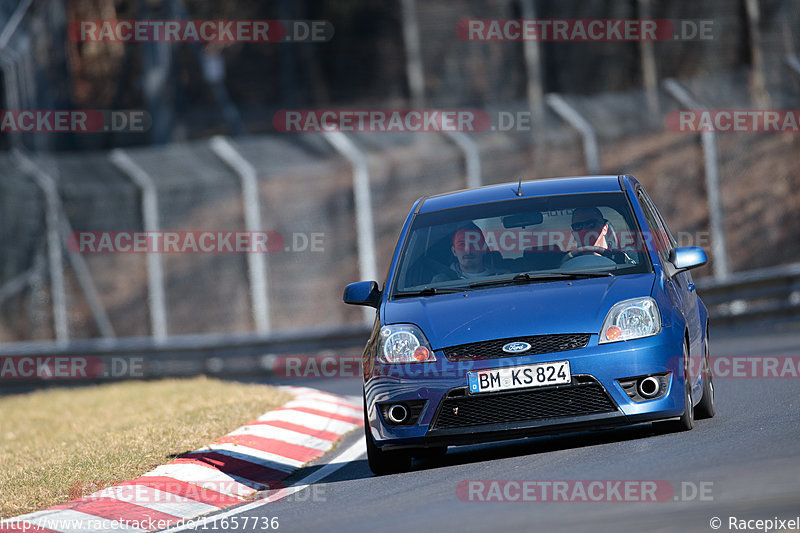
x: 649, y: 387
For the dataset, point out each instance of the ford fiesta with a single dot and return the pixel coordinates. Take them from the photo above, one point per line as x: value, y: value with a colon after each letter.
x: 532, y: 308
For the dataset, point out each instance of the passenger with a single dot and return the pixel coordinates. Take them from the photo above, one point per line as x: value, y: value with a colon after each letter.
x: 472, y: 254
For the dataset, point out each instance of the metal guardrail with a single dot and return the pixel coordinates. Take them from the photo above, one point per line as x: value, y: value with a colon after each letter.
x: 763, y: 293
x: 773, y: 291
x: 222, y: 355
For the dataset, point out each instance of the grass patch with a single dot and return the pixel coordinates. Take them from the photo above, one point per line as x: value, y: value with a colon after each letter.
x: 55, y: 442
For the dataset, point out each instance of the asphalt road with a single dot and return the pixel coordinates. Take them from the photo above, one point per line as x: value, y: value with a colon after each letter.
x: 744, y: 463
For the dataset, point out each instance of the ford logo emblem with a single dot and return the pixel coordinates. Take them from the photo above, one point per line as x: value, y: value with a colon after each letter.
x: 516, y: 347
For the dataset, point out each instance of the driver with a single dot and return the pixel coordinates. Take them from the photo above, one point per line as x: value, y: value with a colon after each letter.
x: 592, y: 234
x: 589, y: 228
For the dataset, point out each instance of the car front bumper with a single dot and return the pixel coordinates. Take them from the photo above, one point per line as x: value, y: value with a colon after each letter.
x: 605, y: 364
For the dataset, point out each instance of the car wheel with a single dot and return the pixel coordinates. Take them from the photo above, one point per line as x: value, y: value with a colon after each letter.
x: 706, y: 408
x: 384, y: 462
x: 686, y: 421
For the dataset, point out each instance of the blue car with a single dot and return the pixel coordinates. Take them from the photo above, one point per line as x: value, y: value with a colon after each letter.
x: 532, y: 308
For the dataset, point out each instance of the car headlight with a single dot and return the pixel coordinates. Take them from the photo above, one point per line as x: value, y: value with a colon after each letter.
x: 631, y: 319
x: 403, y: 343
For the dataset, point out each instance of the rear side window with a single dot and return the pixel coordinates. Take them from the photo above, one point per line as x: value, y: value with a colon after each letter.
x: 660, y: 233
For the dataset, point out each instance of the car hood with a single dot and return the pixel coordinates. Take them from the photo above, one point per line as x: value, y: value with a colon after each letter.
x: 539, y: 308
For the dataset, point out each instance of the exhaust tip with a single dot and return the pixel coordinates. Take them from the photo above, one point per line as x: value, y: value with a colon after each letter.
x: 397, y: 413
x: 649, y: 387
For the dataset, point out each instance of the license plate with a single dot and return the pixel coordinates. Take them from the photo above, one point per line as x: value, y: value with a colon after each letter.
x: 519, y: 377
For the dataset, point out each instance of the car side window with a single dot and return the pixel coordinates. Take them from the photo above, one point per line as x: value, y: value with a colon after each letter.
x: 659, y: 233
x: 668, y: 233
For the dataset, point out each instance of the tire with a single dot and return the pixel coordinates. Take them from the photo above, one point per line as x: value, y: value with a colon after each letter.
x: 384, y: 462
x: 686, y: 421
x: 707, y: 406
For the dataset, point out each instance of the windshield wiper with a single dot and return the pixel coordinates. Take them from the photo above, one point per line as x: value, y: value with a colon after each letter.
x: 429, y: 291
x: 528, y: 277
x: 584, y: 274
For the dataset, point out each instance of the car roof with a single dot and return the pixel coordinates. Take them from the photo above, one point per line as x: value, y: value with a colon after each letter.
x: 530, y: 189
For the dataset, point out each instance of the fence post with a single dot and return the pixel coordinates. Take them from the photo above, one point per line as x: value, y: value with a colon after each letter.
x: 54, y: 256
x: 155, y: 274
x: 13, y: 22
x: 256, y: 261
x: 63, y: 230
x: 533, y: 68
x: 758, y: 79
x: 648, y: 61
x: 711, y: 164
x: 472, y: 157
x: 367, y: 265
x: 574, y: 119
x: 793, y: 62
x: 414, y: 70
x: 11, y: 95
x: 8, y: 66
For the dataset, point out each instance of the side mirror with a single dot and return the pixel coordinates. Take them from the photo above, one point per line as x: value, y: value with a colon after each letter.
x: 362, y: 293
x: 687, y: 257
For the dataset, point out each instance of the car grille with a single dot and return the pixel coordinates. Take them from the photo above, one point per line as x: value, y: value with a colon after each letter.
x: 524, y: 406
x: 539, y: 344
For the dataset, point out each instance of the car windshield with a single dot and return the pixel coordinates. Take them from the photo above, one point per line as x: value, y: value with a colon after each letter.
x: 520, y: 241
